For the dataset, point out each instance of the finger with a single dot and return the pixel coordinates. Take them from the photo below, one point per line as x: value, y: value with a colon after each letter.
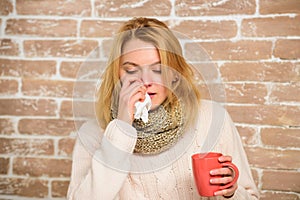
x: 132, y: 84
x: 129, y: 107
x: 130, y: 96
x: 227, y: 192
x: 128, y: 80
x: 126, y: 107
x: 219, y: 181
x: 139, y: 96
x: 142, y: 89
x: 224, y: 171
x: 127, y: 92
x: 225, y: 159
x: 134, y: 89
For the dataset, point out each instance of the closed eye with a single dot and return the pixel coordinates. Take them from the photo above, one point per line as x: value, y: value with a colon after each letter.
x: 131, y: 71
x: 156, y: 67
x: 130, y: 68
x: 158, y: 71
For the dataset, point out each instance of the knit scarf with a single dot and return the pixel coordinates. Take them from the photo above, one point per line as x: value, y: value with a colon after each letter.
x: 163, y: 129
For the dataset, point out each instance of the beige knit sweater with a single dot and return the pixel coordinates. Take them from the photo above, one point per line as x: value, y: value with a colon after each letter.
x: 98, y: 172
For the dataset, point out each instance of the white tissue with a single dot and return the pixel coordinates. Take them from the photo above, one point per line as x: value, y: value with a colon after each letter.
x: 142, y: 108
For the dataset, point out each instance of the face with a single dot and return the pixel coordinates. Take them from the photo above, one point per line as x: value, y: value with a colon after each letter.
x: 142, y: 60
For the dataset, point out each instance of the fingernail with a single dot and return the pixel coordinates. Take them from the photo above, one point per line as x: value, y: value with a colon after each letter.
x: 212, y: 172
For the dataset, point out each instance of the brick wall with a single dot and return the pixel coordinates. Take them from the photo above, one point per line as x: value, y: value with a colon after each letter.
x: 255, y: 44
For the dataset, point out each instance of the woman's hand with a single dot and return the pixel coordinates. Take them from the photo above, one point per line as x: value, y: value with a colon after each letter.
x: 132, y: 90
x: 227, y: 176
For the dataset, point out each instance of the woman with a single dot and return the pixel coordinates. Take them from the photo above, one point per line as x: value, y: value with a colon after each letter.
x: 128, y: 158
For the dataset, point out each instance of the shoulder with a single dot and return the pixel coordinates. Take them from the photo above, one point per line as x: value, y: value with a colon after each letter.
x: 208, y: 107
x: 90, y: 127
x: 212, y: 116
x: 89, y: 134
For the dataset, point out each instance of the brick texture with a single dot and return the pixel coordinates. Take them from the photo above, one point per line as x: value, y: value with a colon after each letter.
x: 59, y: 188
x: 67, y: 106
x: 54, y: 127
x: 285, y: 93
x: 66, y: 109
x: 9, y: 47
x: 6, y: 7
x: 281, y: 180
x: 244, y: 93
x: 268, y: 27
x: 202, y: 7
x: 4, y: 163
x: 59, y: 48
x: 65, y: 146
x: 31, y: 107
x: 8, y: 87
x: 26, y: 146
x: 24, y: 187
x: 47, y: 88
x: 280, y: 137
x: 266, y: 114
x: 73, y: 70
x: 279, y: 7
x: 261, y: 71
x: 54, y: 8
x: 105, y: 8
x: 254, y: 45
x: 241, y: 50
x: 248, y: 135
x: 273, y: 159
x: 93, y: 28
x: 278, y: 195
x: 6, y: 127
x: 43, y: 28
x: 287, y: 49
x: 42, y: 167
x: 27, y: 68
x: 69, y: 69
x: 206, y: 29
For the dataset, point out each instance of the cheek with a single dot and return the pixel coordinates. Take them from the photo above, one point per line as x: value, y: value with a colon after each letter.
x: 155, y: 78
x: 162, y: 91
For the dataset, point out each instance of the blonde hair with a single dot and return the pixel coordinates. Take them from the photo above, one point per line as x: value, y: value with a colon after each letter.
x: 170, y: 52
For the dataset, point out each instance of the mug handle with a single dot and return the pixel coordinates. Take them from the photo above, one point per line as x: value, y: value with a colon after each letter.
x: 236, y: 174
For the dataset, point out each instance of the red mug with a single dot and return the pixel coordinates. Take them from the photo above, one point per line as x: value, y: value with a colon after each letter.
x: 202, y: 164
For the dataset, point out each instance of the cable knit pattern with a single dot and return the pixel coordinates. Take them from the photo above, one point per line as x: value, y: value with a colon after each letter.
x: 92, y: 179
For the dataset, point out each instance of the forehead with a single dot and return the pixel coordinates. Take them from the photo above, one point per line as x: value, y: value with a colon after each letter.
x: 136, y: 45
x: 139, y: 52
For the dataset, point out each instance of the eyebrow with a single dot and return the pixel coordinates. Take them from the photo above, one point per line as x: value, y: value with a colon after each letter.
x: 136, y: 65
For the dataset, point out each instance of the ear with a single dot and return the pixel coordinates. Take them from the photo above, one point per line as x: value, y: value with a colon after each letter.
x: 175, y: 79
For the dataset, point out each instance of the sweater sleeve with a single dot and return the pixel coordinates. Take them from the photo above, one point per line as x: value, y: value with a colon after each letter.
x: 233, y: 147
x: 100, y: 174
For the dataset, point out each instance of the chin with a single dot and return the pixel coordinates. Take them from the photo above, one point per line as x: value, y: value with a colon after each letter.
x: 154, y: 106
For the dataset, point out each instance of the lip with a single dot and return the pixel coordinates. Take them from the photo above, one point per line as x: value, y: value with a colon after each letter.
x: 151, y: 94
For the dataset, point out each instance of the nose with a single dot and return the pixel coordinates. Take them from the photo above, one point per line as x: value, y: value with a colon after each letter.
x: 146, y: 78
